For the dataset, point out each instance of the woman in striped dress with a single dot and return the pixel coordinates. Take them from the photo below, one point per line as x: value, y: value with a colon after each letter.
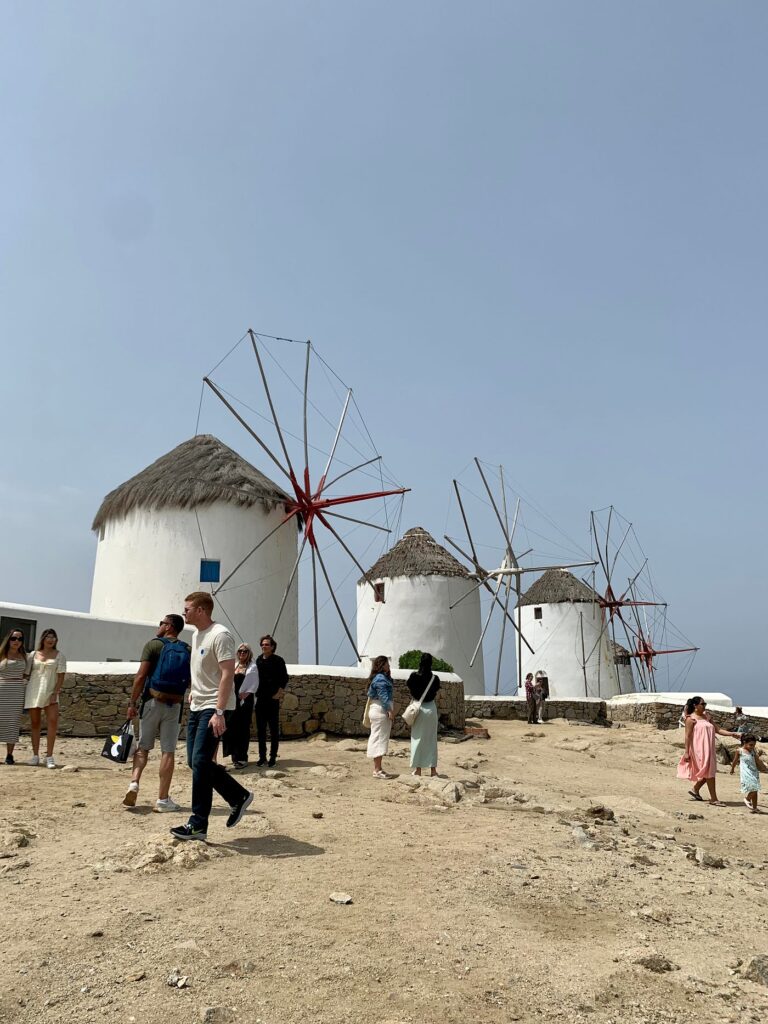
x: 14, y: 670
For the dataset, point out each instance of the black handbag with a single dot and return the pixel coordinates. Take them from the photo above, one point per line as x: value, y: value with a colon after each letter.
x: 118, y: 747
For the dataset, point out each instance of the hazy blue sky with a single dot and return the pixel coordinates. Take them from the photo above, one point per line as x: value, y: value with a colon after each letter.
x: 533, y: 232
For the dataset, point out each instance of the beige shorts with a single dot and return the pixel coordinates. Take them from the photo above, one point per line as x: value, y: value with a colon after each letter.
x: 162, y: 719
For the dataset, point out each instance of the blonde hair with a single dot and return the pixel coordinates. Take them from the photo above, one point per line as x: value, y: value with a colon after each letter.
x: 199, y: 599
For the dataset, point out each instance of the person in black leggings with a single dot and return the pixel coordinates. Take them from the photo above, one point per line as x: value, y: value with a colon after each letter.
x: 273, y: 679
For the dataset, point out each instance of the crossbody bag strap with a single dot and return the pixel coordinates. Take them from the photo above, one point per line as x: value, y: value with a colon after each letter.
x: 421, y: 701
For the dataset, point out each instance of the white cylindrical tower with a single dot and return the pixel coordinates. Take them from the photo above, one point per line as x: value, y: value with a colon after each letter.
x: 183, y: 524
x: 623, y: 662
x: 409, y: 607
x: 561, y: 618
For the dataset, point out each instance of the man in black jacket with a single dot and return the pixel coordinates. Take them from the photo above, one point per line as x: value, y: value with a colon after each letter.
x: 273, y: 679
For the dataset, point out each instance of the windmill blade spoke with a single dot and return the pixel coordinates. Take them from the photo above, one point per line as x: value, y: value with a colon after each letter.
x: 247, y: 426
x: 496, y: 510
x: 360, y: 522
x: 618, y: 549
x: 321, y: 485
x: 353, y: 469
x: 485, y: 627
x: 268, y: 393
x: 314, y: 606
x: 290, y: 582
x: 339, y: 538
x: 253, y: 550
x: 474, y: 557
x: 501, y: 640
x: 336, y: 603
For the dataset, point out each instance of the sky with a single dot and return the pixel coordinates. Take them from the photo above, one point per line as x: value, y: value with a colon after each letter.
x: 528, y: 232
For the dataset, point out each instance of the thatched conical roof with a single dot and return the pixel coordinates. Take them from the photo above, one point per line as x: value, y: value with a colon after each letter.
x: 197, y: 472
x: 416, y: 554
x: 557, y: 586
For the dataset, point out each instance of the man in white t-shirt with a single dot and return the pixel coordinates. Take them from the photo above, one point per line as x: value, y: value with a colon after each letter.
x: 212, y: 669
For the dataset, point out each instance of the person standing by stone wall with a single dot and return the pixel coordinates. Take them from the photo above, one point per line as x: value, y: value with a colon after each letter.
x: 530, y: 697
x: 48, y: 668
x: 273, y: 679
x: 424, y: 684
x: 14, y: 671
x: 157, y: 698
x: 238, y: 734
x: 381, y: 713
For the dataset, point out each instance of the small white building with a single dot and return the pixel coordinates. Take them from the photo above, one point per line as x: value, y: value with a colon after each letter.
x: 623, y: 663
x: 185, y: 523
x: 409, y: 607
x: 561, y: 618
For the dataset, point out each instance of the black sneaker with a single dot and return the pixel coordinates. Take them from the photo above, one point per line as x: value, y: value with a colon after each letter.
x: 189, y: 832
x: 261, y: 762
x: 271, y: 762
x: 238, y: 810
x: 9, y: 759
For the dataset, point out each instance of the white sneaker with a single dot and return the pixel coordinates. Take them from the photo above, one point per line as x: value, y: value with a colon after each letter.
x: 166, y: 805
x: 130, y: 797
x: 50, y: 762
x: 34, y: 761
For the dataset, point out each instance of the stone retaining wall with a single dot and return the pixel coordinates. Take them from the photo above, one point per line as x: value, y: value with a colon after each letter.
x: 658, y: 714
x: 94, y: 703
x: 516, y: 709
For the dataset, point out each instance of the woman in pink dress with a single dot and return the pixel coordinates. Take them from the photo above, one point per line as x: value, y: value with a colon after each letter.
x: 699, y: 764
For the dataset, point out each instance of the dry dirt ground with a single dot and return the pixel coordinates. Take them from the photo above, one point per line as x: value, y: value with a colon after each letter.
x: 519, y: 902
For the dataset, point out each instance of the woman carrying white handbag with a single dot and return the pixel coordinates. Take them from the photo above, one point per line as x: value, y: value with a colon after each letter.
x: 423, y: 686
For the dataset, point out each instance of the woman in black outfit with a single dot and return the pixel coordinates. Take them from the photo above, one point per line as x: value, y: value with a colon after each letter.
x: 424, y: 729
x: 238, y: 732
x: 273, y: 679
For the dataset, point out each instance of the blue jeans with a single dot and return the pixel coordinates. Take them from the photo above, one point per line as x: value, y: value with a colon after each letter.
x: 206, y: 774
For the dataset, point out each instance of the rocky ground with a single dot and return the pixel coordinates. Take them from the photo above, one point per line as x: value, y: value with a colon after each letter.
x: 558, y: 872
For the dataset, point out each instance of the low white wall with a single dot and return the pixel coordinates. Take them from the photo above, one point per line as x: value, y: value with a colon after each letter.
x: 84, y: 637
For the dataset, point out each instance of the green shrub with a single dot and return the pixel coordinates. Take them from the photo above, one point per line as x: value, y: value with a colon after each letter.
x: 411, y: 660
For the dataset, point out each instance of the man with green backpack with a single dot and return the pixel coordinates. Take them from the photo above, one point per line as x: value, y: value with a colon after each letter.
x: 157, y: 699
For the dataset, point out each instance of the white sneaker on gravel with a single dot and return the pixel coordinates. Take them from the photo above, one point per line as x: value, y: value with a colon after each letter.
x: 130, y: 797
x: 50, y: 762
x: 34, y: 761
x: 166, y: 805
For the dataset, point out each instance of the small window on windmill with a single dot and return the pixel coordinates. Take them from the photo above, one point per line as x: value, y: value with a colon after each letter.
x: 537, y: 613
x: 378, y: 592
x: 210, y: 570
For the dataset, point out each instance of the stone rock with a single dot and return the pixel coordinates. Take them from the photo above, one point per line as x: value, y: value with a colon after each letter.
x: 95, y: 933
x: 353, y: 746
x: 579, y: 746
x: 273, y: 773
x: 600, y: 811
x: 136, y: 976
x: 79, y: 803
x: 706, y: 859
x: 318, y: 737
x: 340, y: 897
x: 657, y: 963
x: 216, y: 1015
x: 70, y: 768
x: 176, y: 979
x: 757, y: 970
x: 317, y: 814
x: 411, y: 781
x: 14, y: 865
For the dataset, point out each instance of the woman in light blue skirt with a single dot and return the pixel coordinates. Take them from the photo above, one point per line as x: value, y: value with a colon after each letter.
x: 424, y: 684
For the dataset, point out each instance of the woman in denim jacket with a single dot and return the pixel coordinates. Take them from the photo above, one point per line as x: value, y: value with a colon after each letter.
x: 381, y: 713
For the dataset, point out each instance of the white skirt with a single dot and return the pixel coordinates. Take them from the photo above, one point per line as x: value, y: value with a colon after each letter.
x: 381, y: 726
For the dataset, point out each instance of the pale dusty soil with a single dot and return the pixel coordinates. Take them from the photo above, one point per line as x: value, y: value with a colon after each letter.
x: 462, y: 912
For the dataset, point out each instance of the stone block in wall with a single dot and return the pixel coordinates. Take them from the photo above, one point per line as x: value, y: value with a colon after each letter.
x: 290, y: 701
x: 291, y: 728
x: 311, y: 725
